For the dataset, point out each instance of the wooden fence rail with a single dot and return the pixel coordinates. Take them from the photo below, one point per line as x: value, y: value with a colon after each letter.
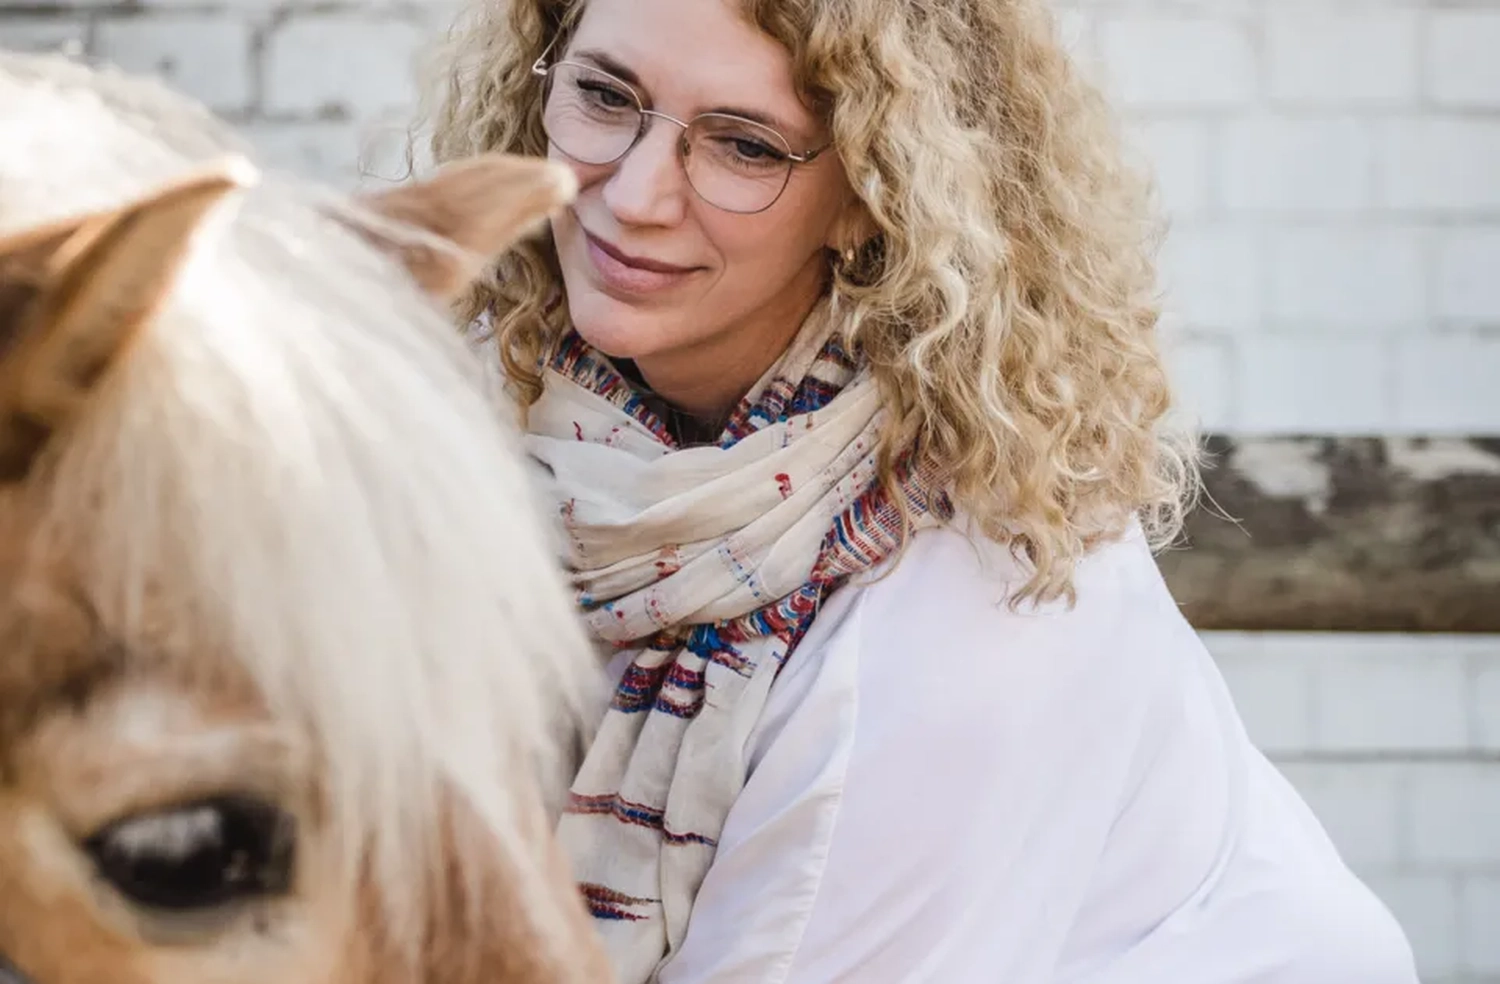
x: 1344, y: 533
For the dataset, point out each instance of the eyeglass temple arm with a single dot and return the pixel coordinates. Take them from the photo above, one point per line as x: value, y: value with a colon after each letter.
x: 539, y: 67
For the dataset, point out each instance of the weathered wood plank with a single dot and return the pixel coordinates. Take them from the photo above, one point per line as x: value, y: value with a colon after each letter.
x: 1346, y: 534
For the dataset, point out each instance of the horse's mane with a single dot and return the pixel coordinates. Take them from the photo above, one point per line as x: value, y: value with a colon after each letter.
x: 299, y: 460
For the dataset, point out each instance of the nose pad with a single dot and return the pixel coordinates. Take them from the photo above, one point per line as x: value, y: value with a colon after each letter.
x: 9, y: 974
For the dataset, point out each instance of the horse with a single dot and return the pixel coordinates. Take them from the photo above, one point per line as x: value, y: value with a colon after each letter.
x: 290, y: 685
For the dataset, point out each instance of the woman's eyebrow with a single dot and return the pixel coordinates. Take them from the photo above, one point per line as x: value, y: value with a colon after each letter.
x: 602, y: 60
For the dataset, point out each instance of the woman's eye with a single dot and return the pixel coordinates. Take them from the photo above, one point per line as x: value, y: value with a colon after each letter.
x: 607, y: 97
x: 198, y: 856
x: 746, y: 152
x: 754, y: 150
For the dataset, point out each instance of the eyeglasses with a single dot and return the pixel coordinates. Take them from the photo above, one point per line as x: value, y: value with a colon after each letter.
x: 732, y: 163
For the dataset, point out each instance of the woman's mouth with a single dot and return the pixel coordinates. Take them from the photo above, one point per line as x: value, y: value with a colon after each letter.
x: 621, y: 272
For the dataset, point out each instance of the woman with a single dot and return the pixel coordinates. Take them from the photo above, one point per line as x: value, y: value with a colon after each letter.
x: 843, y: 368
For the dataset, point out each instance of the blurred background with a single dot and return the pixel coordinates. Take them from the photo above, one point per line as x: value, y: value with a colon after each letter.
x: 1332, y: 273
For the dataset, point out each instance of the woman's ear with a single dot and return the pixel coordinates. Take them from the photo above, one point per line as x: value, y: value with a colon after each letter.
x: 853, y: 228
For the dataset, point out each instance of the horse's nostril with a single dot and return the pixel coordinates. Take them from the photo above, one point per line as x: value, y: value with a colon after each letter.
x: 9, y: 974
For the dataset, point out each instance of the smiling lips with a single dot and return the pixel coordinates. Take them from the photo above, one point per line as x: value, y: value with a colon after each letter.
x: 633, y: 274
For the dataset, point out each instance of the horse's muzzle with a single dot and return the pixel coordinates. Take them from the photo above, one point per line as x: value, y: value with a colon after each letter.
x: 9, y: 974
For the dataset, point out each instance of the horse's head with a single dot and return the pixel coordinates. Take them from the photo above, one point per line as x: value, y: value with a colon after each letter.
x: 286, y: 671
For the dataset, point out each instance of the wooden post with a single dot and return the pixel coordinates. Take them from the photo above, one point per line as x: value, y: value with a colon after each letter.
x: 1344, y: 534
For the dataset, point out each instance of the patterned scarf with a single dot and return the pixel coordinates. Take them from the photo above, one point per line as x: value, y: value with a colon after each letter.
x: 708, y: 564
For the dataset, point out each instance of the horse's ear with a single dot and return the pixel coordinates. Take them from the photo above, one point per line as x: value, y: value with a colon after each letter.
x: 73, y: 294
x: 482, y: 205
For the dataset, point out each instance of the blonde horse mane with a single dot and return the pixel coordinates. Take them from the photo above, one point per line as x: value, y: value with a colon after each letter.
x: 301, y: 462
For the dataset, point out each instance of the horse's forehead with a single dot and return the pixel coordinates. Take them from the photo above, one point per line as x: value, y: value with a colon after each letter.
x: 51, y: 652
x: 58, y: 650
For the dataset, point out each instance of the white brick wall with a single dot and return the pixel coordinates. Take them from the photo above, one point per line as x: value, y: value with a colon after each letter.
x: 1324, y: 56
x: 1361, y: 281
x: 1440, y: 165
x: 1209, y: 61
x: 1466, y: 290
x: 1285, y: 381
x: 206, y: 54
x: 1349, y: 150
x: 1393, y: 742
x: 1293, y: 167
x: 1332, y: 169
x: 38, y: 33
x: 1480, y: 923
x: 1462, y: 69
x: 312, y: 62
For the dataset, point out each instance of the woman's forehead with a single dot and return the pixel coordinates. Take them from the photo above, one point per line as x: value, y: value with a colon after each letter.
x: 701, y: 52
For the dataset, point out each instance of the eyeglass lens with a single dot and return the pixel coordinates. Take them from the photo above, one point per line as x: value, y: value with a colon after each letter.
x: 734, y: 164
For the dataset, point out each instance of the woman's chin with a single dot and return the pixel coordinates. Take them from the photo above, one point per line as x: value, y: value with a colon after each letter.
x: 615, y: 327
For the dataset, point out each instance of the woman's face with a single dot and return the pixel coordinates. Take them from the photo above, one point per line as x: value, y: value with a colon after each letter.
x: 735, y: 286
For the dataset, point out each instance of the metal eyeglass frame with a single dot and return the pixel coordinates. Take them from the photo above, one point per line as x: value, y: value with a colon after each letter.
x: 541, y: 68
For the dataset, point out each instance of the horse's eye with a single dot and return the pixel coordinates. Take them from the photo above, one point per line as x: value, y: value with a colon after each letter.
x: 199, y: 855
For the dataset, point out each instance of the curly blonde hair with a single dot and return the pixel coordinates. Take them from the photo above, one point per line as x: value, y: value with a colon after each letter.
x: 1007, y: 305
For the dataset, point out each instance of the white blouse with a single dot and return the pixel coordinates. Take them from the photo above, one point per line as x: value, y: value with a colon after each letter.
x: 946, y: 790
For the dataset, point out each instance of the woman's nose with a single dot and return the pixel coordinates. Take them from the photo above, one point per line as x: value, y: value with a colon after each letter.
x: 649, y: 185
